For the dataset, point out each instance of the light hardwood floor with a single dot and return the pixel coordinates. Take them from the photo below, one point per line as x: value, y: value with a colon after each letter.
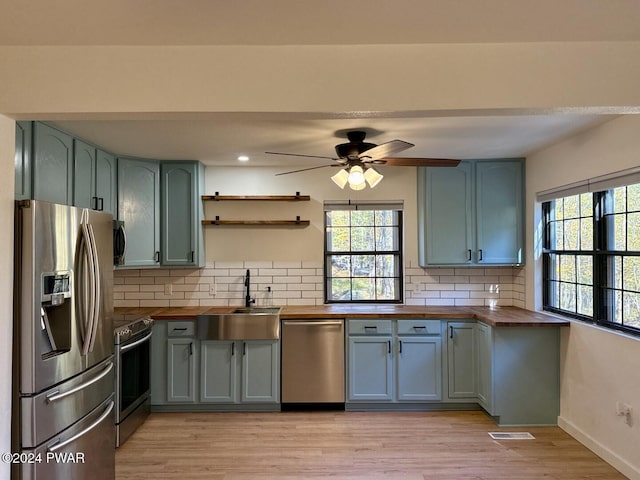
x: 341, y: 445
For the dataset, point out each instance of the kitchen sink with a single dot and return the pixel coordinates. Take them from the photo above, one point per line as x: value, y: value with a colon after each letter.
x: 252, y: 323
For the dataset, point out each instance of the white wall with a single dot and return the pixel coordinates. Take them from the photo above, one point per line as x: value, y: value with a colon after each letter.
x: 598, y: 367
x: 7, y: 161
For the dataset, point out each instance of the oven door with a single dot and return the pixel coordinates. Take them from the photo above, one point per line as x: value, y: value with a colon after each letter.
x: 132, y: 377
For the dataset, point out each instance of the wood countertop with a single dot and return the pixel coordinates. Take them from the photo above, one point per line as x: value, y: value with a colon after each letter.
x: 497, y: 317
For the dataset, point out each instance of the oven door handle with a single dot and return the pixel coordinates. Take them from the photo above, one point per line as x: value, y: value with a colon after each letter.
x: 136, y: 343
x: 54, y: 396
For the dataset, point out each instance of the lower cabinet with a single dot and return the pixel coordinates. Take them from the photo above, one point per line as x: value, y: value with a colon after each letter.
x: 239, y: 371
x: 394, y: 361
x: 192, y: 374
x: 462, y: 360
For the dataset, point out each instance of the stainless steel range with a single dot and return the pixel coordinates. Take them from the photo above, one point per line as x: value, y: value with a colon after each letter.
x: 132, y: 356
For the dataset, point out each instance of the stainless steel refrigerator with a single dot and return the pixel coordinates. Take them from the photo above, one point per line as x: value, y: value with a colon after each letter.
x: 62, y: 416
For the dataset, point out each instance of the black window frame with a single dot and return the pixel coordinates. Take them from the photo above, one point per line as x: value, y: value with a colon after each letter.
x: 602, y: 259
x: 398, y: 254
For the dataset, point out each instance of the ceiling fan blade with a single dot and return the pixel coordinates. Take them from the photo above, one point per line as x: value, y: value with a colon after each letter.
x: 301, y: 155
x: 385, y: 149
x: 417, y: 162
x: 305, y: 169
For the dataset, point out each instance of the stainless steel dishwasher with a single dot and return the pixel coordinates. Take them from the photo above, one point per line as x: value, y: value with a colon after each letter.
x: 313, y: 361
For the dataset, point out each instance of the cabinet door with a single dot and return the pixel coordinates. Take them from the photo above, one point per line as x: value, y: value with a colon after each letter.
x: 462, y: 364
x: 485, y: 367
x: 23, y: 161
x: 180, y: 219
x: 84, y: 164
x: 370, y: 368
x: 218, y: 372
x: 138, y: 207
x: 181, y: 370
x: 158, y: 365
x: 52, y: 165
x: 419, y: 368
x: 445, y: 215
x: 499, y: 207
x: 105, y: 182
x: 260, y: 371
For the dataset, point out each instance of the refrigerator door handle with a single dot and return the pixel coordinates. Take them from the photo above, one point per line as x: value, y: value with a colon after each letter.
x: 95, y: 289
x: 57, y: 446
x: 56, y: 395
x: 90, y: 288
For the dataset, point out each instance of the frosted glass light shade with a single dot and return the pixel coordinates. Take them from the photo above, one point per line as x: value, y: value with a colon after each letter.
x: 373, y: 177
x: 341, y: 178
x: 356, y: 176
x: 358, y: 186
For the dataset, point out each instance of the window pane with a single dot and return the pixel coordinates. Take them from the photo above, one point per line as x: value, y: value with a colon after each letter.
x: 568, y: 297
x: 338, y: 218
x: 386, y: 266
x: 617, y: 272
x: 586, y: 234
x: 630, y: 308
x: 617, y: 305
x: 340, y: 265
x: 363, y: 289
x: 619, y: 232
x: 631, y: 273
x: 386, y: 239
x: 571, y: 206
x: 338, y: 239
x: 571, y: 234
x: 386, y: 288
x: 340, y: 289
x: 585, y: 300
x: 568, y: 268
x: 363, y: 266
x: 362, y: 218
x: 633, y: 232
x: 362, y: 239
x: 585, y: 269
x: 558, y: 209
x: 633, y: 197
x: 386, y: 218
x: 619, y: 200
x: 559, y: 237
x: 586, y: 205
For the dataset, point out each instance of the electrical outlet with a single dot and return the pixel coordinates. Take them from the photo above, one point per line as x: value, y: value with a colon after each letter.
x: 168, y: 289
x: 625, y: 410
x: 213, y: 289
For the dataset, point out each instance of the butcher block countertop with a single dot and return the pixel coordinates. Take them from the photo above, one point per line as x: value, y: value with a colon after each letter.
x: 497, y: 317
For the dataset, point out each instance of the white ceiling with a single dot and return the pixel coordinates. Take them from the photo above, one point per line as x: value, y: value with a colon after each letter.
x: 220, y: 138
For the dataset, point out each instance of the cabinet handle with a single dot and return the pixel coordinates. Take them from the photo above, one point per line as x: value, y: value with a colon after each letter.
x: 480, y: 255
x: 156, y: 256
x: 233, y: 348
x: 450, y: 332
x: 419, y: 328
x: 179, y: 329
x: 94, y: 203
x: 192, y: 256
x: 190, y: 348
x: 244, y: 348
x: 400, y: 346
x: 469, y: 255
x: 101, y: 207
x: 389, y: 346
x: 374, y: 327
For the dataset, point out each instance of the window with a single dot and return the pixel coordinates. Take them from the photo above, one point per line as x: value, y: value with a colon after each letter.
x: 363, y: 253
x: 591, y: 256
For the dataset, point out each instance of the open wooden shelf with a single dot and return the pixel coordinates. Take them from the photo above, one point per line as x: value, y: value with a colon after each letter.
x: 260, y: 198
x: 267, y: 223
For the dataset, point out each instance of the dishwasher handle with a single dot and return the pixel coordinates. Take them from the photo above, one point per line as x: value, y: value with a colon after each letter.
x: 293, y: 323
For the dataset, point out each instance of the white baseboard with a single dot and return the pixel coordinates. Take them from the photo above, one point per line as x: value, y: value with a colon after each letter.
x: 631, y: 471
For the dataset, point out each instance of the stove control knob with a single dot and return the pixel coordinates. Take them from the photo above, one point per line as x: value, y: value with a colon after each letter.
x: 147, y: 321
x: 125, y: 331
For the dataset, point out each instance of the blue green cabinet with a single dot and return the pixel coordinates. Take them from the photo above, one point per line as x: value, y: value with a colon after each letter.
x: 94, y: 178
x: 419, y: 368
x: 462, y: 363
x: 472, y: 214
x: 370, y: 368
x: 218, y: 371
x: 139, y: 208
x: 181, y: 210
x: 52, y: 165
x: 239, y: 372
x: 181, y: 370
x: 484, y: 351
x: 23, y: 159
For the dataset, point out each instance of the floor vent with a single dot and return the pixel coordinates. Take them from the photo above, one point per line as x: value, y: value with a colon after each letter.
x: 511, y: 436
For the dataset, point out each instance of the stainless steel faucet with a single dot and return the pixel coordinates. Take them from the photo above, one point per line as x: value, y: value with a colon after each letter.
x: 247, y: 283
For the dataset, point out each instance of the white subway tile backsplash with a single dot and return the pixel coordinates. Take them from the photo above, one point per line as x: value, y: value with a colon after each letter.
x: 302, y: 283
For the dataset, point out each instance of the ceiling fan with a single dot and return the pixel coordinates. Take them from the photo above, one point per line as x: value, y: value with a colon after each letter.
x: 358, y: 157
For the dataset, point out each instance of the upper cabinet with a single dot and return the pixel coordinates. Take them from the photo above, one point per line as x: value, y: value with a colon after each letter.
x: 139, y: 208
x: 472, y: 214
x: 52, y: 165
x: 181, y: 210
x: 94, y: 178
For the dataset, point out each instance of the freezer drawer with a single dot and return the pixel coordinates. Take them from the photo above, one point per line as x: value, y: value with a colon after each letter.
x: 55, y: 409
x: 313, y: 361
x: 86, y: 450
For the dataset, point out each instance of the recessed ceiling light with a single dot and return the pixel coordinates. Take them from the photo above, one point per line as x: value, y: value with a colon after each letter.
x: 243, y: 158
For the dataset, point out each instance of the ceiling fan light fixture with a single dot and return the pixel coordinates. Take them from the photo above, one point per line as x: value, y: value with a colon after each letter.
x: 356, y: 176
x: 358, y: 186
x: 341, y: 178
x: 372, y: 177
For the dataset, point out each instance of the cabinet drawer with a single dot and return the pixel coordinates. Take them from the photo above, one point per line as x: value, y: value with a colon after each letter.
x: 419, y: 327
x: 181, y: 329
x: 370, y: 327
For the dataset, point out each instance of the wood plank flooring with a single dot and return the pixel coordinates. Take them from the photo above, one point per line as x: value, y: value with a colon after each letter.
x: 349, y: 445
